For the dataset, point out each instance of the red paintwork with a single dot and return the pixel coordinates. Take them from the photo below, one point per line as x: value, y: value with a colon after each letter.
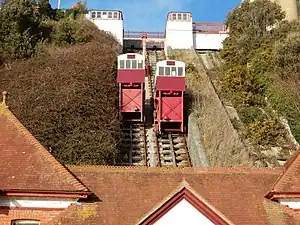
x: 131, y: 76
x: 169, y: 111
x: 131, y: 99
x: 169, y: 103
x: 165, y: 83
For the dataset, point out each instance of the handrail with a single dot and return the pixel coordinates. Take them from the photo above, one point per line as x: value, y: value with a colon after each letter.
x: 138, y: 34
x: 209, y: 27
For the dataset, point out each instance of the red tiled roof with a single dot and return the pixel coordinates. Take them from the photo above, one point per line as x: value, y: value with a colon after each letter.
x: 289, y: 181
x: 127, y: 195
x: 26, y: 165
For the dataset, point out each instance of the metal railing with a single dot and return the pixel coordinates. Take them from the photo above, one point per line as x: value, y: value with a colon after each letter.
x: 209, y: 27
x: 138, y: 34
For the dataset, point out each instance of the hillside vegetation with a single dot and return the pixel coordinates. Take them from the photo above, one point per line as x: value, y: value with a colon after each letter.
x: 260, y: 76
x: 59, y: 72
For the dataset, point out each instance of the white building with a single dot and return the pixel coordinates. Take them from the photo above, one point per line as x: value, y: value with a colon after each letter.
x: 109, y: 21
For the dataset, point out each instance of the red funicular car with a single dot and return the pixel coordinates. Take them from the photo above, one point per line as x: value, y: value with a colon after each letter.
x: 130, y: 78
x: 169, y: 91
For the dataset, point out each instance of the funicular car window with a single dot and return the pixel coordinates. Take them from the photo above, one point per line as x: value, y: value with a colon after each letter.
x: 161, y: 70
x: 122, y: 64
x: 93, y: 14
x: 98, y: 14
x: 110, y: 15
x: 140, y: 64
x: 167, y: 71
x: 134, y: 64
x: 128, y: 64
x: 180, y: 71
x: 173, y: 71
x: 184, y: 16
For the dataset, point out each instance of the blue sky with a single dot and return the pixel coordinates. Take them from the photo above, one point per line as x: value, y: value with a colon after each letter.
x: 150, y: 15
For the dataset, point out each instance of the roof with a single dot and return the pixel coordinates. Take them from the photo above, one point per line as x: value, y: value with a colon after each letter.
x: 28, y: 166
x: 289, y: 181
x: 170, y: 83
x: 127, y: 195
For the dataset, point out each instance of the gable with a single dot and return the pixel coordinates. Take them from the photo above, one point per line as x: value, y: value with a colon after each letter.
x: 185, y: 208
x: 183, y: 213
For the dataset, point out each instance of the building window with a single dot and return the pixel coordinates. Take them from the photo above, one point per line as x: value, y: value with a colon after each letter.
x: 93, y: 15
x: 179, y: 16
x: 25, y: 222
x: 98, y: 14
x: 116, y: 15
x: 174, y: 16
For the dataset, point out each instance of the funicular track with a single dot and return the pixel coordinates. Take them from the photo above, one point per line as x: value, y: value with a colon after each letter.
x: 133, y: 147
x: 170, y: 148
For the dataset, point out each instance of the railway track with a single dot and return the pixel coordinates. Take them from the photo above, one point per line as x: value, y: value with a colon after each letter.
x: 172, y: 151
x: 133, y: 146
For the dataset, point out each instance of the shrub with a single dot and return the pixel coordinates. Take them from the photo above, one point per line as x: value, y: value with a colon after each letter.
x: 287, y: 60
x: 68, y: 99
x: 267, y: 131
x: 70, y: 31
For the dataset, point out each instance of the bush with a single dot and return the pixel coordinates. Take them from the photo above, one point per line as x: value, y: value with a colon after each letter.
x: 267, y: 131
x: 68, y: 99
x: 70, y: 31
x: 287, y: 60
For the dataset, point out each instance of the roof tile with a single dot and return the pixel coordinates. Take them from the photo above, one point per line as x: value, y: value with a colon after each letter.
x: 126, y: 195
x: 28, y: 165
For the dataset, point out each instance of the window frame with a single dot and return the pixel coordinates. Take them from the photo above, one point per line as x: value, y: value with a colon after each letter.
x: 25, y: 222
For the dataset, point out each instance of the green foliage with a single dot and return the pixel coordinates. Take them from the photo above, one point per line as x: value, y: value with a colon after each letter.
x: 45, y: 10
x: 19, y: 29
x: 69, y: 31
x: 248, y: 114
x: 267, y: 131
x: 190, y: 68
x: 68, y: 99
x: 260, y: 45
x: 282, y: 101
x: 248, y: 29
x: 287, y: 58
x: 77, y: 10
x: 247, y: 87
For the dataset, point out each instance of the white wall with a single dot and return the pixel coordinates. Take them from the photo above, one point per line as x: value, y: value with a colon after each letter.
x: 179, y: 34
x: 292, y: 203
x: 183, y: 214
x: 114, y: 26
x: 30, y: 202
x: 208, y: 41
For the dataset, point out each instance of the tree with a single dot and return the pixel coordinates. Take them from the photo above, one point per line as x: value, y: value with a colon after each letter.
x: 68, y: 99
x: 249, y: 26
x: 19, y: 29
x: 45, y: 9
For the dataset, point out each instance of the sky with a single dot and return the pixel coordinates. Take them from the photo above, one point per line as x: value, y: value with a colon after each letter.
x: 150, y: 15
